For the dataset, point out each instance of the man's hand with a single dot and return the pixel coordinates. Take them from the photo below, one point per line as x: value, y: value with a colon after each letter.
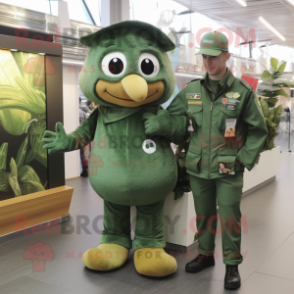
x: 157, y: 124
x: 56, y: 142
x: 224, y: 169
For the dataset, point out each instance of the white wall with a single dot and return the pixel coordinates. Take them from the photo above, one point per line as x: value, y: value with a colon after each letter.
x: 71, y: 115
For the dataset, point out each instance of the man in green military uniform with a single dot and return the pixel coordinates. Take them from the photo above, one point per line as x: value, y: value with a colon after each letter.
x: 227, y: 134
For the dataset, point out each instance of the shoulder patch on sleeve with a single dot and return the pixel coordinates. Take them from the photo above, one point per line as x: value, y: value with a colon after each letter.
x: 193, y: 81
x: 246, y: 85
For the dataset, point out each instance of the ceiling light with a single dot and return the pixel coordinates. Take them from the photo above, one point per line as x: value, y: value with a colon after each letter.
x: 42, y: 53
x: 242, y: 2
x: 14, y: 50
x: 266, y: 23
x: 291, y: 1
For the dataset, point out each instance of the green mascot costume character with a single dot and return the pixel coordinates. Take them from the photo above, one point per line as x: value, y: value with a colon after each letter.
x: 128, y: 73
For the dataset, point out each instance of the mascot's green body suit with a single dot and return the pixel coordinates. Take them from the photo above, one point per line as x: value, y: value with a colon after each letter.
x: 128, y: 73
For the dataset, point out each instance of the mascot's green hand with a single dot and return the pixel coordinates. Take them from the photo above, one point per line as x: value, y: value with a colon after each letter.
x: 156, y: 124
x: 56, y: 142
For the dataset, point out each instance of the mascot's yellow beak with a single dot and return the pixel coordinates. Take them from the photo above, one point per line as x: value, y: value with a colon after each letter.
x: 135, y: 87
x: 131, y: 91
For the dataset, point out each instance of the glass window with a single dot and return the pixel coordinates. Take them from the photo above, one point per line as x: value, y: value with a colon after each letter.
x: 94, y: 7
x: 36, y: 5
x: 76, y: 8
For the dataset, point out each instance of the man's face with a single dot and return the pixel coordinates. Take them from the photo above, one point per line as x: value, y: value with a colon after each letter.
x: 215, y: 64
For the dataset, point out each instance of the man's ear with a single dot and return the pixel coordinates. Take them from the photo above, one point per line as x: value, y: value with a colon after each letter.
x: 228, y: 55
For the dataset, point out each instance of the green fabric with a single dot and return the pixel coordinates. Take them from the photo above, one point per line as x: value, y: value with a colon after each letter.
x: 214, y: 86
x: 228, y: 193
x: 59, y: 141
x: 111, y: 114
x: 209, y: 135
x: 170, y: 123
x: 213, y: 43
x: 149, y: 226
x: 149, y: 32
x: 127, y: 166
x: 121, y: 172
x: 217, y: 86
x: 126, y: 42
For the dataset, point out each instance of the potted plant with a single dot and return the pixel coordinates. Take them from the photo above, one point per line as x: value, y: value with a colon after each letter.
x: 269, y: 91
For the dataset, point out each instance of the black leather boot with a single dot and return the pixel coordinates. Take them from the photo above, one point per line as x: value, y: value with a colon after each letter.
x: 232, y: 278
x: 199, y: 263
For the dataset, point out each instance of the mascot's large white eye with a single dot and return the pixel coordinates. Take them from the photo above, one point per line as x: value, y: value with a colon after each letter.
x: 114, y: 64
x: 148, y: 65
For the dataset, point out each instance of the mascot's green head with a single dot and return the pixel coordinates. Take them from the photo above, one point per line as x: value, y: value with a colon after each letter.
x: 127, y: 66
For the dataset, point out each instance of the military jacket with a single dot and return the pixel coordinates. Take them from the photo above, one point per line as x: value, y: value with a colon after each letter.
x: 228, y: 129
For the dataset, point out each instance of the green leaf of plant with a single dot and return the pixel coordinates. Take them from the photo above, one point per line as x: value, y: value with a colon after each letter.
x: 21, y: 154
x: 265, y: 108
x: 28, y: 124
x: 27, y: 173
x: 42, y: 158
x: 266, y: 75
x: 32, y: 68
x: 13, y: 181
x: 14, y: 112
x: 267, y: 81
x: 271, y: 115
x: 30, y: 156
x: 31, y: 187
x: 282, y: 67
x: 278, y: 114
x: 267, y: 87
x: 260, y: 92
x: 36, y: 133
x: 268, y: 94
x: 274, y: 63
x: 3, y: 155
x: 284, y: 85
x: 20, y: 106
x: 277, y: 74
x: 34, y: 98
x: 272, y: 100
x: 282, y: 93
x: 4, y: 181
x: 13, y: 167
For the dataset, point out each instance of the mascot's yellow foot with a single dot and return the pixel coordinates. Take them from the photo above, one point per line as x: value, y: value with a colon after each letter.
x: 105, y: 257
x: 154, y: 262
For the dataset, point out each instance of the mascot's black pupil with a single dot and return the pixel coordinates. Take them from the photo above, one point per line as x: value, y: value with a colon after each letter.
x: 147, y: 66
x: 116, y: 66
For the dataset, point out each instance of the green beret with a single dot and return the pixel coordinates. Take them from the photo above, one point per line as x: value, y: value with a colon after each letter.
x: 149, y: 31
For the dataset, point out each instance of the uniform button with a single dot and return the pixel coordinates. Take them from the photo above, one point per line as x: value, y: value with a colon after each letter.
x: 196, y: 147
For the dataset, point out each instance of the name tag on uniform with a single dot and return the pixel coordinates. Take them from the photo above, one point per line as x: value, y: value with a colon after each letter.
x: 195, y: 102
x: 230, y: 127
x: 193, y: 95
x: 230, y: 107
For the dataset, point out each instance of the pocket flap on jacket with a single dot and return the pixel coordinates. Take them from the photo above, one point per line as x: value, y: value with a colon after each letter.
x: 229, y: 160
x: 232, y: 113
x: 194, y: 150
x: 224, y: 151
x: 195, y: 108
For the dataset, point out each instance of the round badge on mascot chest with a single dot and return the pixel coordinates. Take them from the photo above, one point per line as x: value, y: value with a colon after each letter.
x: 149, y: 146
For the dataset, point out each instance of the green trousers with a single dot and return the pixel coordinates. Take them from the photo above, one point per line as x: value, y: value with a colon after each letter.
x: 149, y: 226
x: 228, y: 192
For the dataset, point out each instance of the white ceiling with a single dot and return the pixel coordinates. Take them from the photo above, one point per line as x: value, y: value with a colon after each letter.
x: 230, y: 14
